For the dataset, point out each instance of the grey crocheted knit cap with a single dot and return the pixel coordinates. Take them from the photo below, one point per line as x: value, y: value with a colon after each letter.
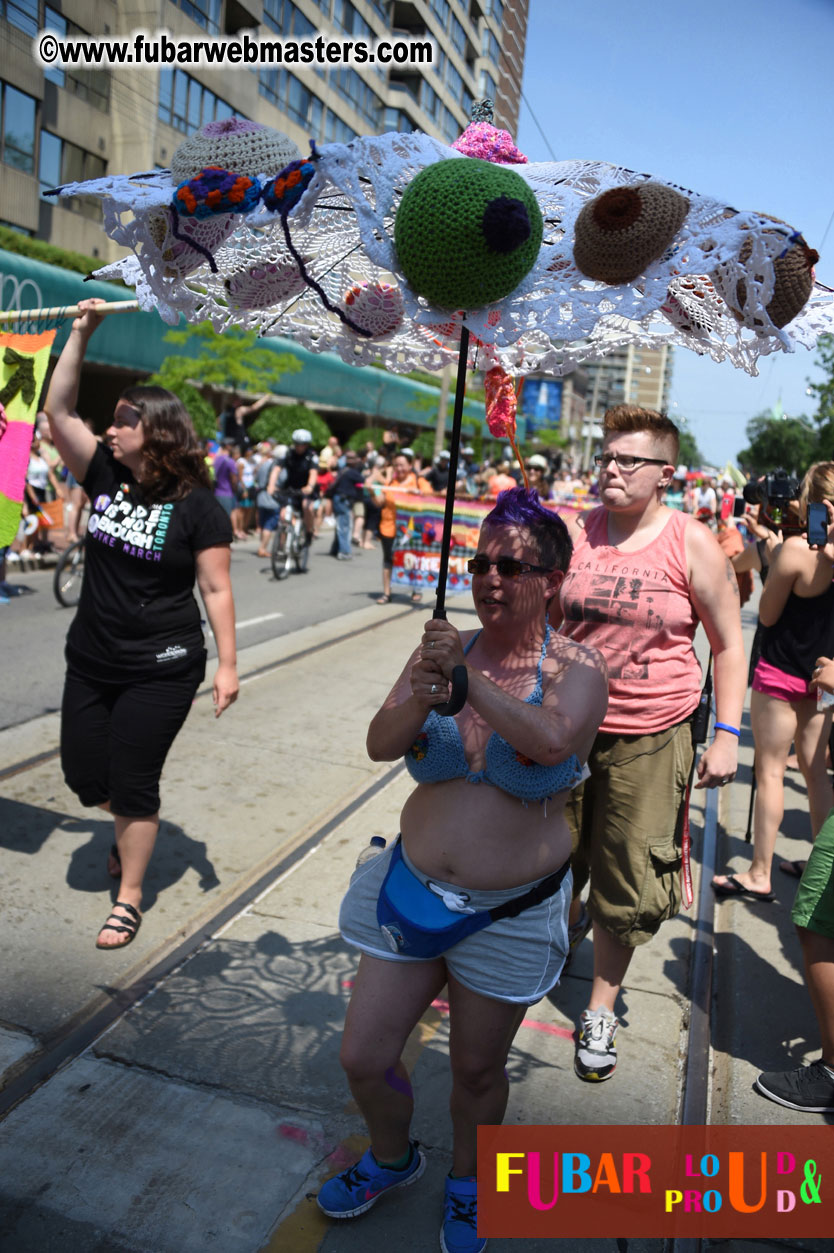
x: 234, y: 144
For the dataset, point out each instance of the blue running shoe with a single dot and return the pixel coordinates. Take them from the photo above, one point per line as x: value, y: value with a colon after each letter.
x: 359, y: 1187
x: 459, y: 1233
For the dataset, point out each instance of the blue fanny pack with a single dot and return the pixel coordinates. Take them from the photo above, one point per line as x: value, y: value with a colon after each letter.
x: 421, y: 921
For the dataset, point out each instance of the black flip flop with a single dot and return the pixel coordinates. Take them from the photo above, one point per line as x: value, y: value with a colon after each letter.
x: 734, y: 888
x: 794, y: 868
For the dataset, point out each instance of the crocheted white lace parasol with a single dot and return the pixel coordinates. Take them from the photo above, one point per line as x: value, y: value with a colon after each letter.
x: 719, y: 286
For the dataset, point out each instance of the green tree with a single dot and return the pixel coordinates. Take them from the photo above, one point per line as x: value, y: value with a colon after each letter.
x: 231, y: 361
x: 364, y: 435
x: 547, y: 437
x: 423, y: 446
x: 279, y: 421
x: 200, y: 410
x: 787, y: 443
x: 690, y: 454
x: 824, y: 392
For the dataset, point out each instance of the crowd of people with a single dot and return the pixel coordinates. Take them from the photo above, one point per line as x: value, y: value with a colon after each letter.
x: 589, y: 773
x: 575, y: 744
x: 247, y: 477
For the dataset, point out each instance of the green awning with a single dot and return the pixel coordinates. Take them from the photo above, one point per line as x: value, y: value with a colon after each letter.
x: 136, y: 342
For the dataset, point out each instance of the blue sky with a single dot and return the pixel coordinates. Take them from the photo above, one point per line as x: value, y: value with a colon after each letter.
x: 734, y: 98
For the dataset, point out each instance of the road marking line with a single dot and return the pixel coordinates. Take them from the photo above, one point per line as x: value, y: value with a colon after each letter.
x: 267, y: 617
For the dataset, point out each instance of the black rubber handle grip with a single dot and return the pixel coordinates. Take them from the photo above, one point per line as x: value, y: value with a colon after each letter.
x: 457, y: 698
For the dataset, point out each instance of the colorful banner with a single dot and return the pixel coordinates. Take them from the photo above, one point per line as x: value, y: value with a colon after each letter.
x: 419, y: 532
x: 748, y: 1183
x: 417, y: 545
x: 23, y: 362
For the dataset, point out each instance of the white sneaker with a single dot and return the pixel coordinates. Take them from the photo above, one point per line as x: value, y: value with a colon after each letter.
x: 596, y: 1057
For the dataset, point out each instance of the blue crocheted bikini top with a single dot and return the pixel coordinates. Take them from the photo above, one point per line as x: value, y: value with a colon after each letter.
x: 437, y: 755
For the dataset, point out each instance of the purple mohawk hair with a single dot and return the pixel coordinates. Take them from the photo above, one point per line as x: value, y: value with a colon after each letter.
x: 521, y: 508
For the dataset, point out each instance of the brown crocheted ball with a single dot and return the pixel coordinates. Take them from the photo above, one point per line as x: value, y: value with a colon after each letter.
x: 794, y: 282
x: 619, y: 233
x: 234, y: 144
x: 793, y: 272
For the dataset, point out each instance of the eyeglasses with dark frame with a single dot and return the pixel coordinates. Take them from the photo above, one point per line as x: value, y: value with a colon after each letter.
x: 624, y: 461
x: 507, y: 567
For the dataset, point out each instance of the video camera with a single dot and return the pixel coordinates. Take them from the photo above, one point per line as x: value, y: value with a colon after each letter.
x: 774, y: 491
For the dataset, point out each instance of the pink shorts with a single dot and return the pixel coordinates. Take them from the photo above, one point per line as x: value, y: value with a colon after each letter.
x: 771, y: 681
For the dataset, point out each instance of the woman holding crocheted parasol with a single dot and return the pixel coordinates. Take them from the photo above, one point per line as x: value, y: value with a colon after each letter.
x: 474, y: 894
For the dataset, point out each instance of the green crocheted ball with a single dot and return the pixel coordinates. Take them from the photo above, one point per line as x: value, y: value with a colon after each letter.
x: 467, y: 232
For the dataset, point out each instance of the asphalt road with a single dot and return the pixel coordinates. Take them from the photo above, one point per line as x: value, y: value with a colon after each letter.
x: 34, y: 625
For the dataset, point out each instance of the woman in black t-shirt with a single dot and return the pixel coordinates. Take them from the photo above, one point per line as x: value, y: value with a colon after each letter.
x: 135, y: 652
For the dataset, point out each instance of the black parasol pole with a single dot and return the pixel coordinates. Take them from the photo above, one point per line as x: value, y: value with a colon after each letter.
x: 457, y: 699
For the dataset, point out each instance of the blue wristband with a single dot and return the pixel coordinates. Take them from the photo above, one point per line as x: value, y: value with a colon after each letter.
x: 725, y: 726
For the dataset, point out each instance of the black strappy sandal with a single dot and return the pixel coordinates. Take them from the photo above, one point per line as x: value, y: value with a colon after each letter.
x: 128, y: 926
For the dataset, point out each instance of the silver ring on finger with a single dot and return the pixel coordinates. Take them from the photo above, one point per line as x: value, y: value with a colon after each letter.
x: 433, y: 688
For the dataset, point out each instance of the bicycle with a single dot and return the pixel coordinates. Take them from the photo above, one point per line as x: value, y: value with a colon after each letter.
x: 289, y: 545
x: 69, y: 575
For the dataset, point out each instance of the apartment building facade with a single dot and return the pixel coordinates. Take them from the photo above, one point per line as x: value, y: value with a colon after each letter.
x: 58, y: 126
x: 635, y: 375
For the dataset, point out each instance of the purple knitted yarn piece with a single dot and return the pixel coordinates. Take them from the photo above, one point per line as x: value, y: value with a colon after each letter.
x: 231, y: 126
x: 506, y: 224
x: 399, y: 1085
x: 283, y: 192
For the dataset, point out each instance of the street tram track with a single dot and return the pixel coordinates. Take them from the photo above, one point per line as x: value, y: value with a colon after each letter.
x: 30, y: 763
x: 77, y: 1035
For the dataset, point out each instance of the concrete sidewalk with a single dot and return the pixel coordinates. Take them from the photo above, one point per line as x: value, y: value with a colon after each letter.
x: 209, y: 1114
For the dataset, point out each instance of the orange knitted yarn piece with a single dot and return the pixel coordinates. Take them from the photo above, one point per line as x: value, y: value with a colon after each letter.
x: 619, y: 233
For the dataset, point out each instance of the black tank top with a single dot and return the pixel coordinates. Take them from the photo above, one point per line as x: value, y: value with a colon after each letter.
x: 804, y: 632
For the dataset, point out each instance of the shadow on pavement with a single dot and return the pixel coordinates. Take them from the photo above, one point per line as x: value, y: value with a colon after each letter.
x: 26, y: 829
x: 261, y: 1017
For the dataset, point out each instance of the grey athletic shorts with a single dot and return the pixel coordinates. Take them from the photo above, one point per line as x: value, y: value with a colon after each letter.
x: 515, y: 959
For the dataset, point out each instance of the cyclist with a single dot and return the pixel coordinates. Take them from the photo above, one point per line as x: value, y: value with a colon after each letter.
x: 297, y: 475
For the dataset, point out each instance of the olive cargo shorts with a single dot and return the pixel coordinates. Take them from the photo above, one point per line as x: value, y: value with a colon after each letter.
x: 626, y: 822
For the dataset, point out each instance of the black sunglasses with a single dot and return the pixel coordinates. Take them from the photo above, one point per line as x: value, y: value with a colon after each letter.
x: 624, y: 461
x: 507, y: 567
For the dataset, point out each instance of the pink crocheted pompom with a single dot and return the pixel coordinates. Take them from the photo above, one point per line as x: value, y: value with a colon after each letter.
x: 501, y: 403
x: 482, y: 139
x: 231, y: 126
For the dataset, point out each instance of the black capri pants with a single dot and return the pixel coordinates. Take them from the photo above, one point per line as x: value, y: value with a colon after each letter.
x: 115, y: 736
x: 387, y: 542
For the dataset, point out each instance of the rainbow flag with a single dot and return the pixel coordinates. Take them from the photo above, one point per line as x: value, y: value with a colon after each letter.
x: 23, y: 362
x: 419, y: 531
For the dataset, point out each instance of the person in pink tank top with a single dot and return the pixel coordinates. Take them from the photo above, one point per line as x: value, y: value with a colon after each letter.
x: 641, y: 579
